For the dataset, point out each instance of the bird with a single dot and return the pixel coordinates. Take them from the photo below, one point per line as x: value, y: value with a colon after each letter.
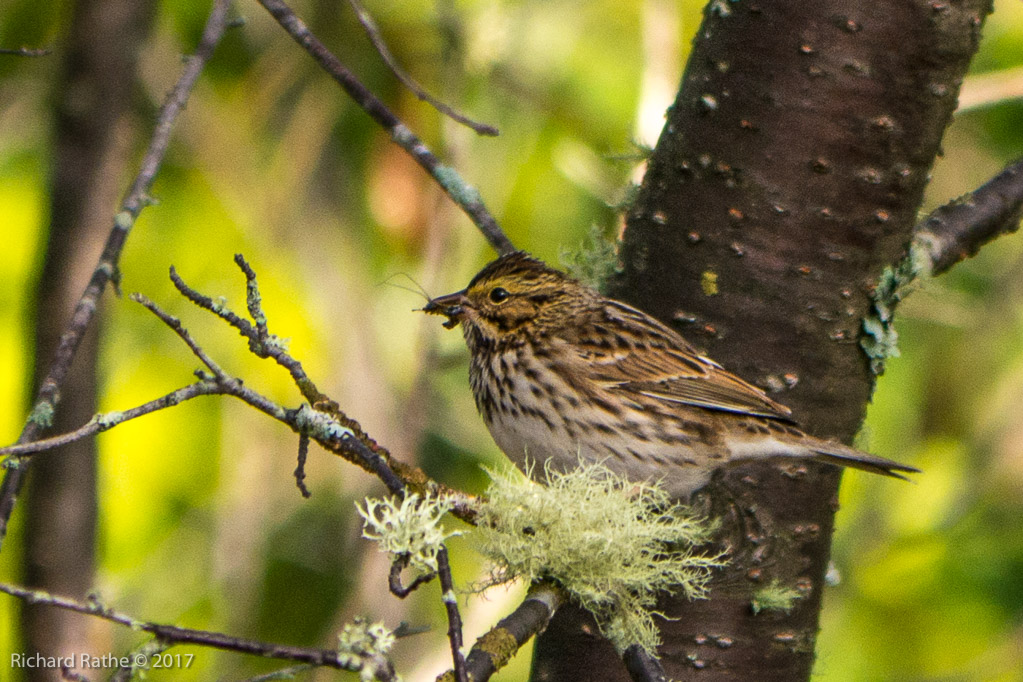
x: 563, y: 375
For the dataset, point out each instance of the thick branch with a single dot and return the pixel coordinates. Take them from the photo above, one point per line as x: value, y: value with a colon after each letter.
x: 492, y: 651
x: 134, y: 201
x: 958, y: 229
x: 465, y: 195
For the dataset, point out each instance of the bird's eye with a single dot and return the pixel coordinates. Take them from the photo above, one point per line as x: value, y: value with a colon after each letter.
x: 499, y: 294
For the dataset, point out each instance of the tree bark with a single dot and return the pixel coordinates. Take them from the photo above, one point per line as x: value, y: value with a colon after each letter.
x: 92, y: 96
x: 788, y: 175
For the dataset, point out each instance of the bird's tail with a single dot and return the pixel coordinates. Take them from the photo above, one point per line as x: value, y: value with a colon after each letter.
x: 843, y: 455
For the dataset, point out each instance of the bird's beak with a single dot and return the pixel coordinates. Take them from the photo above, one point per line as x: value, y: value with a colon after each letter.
x: 452, y: 306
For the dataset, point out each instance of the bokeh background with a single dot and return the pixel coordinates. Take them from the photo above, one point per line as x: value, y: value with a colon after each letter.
x: 200, y: 521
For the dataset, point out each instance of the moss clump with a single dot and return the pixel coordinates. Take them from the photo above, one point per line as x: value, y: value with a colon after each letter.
x: 775, y: 597
x: 611, y: 544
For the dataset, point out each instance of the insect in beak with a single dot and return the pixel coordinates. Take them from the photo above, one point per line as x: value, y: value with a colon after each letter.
x: 452, y: 306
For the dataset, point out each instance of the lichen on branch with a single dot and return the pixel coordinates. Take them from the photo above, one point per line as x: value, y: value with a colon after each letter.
x: 611, y: 544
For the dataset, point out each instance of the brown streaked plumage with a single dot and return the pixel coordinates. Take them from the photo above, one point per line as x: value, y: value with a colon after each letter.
x: 560, y: 373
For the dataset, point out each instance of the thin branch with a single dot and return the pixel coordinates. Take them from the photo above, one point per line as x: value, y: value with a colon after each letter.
x: 492, y: 651
x: 465, y: 195
x: 450, y: 599
x: 303, y: 452
x: 108, y: 420
x: 179, y: 329
x: 289, y: 673
x: 394, y: 578
x: 642, y: 666
x: 134, y: 201
x: 26, y: 51
x: 958, y: 229
x: 373, y: 31
x: 381, y: 667
x: 261, y: 342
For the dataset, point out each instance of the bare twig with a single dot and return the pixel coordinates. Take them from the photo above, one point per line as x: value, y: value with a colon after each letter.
x: 104, y: 421
x: 492, y: 651
x: 465, y: 195
x: 378, y: 42
x: 642, y: 666
x: 958, y: 229
x: 394, y: 578
x: 134, y: 201
x: 26, y: 51
x: 381, y: 667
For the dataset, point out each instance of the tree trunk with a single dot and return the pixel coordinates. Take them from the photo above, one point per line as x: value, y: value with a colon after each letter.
x: 788, y: 175
x: 93, y: 94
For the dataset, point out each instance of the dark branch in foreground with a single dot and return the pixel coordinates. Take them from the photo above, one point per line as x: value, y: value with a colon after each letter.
x: 958, y: 229
x: 381, y: 47
x: 170, y: 634
x: 465, y: 195
x: 492, y: 651
x: 135, y: 200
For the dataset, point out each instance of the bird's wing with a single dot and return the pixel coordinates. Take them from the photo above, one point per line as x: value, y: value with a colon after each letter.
x: 649, y: 359
x: 673, y: 376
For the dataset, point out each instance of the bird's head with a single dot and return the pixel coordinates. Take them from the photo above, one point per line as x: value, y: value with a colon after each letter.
x: 511, y: 297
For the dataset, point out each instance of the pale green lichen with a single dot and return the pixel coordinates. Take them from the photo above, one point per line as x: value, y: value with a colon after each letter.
x: 461, y: 191
x: 594, y: 262
x: 880, y: 340
x: 42, y: 414
x: 361, y: 641
x: 611, y: 544
x: 320, y: 425
x: 108, y: 420
x: 275, y: 342
x: 775, y: 597
x: 124, y: 220
x: 410, y: 528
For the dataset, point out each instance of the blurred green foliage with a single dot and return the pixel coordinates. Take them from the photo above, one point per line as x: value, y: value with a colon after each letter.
x: 201, y: 524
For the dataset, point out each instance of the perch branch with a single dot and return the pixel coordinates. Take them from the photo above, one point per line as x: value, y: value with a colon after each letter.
x: 492, y: 651
x: 134, y: 201
x: 170, y: 634
x: 465, y: 195
x: 373, y: 31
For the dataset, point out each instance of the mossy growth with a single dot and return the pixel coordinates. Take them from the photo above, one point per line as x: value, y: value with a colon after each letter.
x: 594, y: 261
x: 611, y: 544
x: 775, y: 596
